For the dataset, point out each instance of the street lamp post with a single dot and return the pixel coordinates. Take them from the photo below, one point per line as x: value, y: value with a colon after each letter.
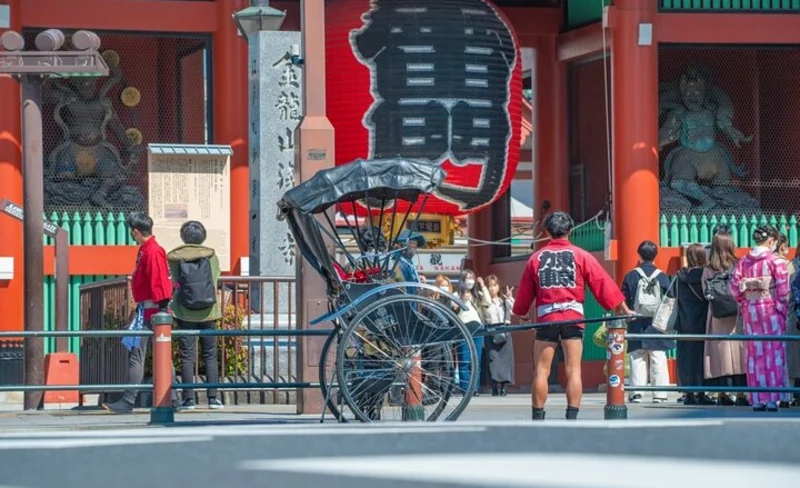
x: 31, y: 69
x: 259, y: 16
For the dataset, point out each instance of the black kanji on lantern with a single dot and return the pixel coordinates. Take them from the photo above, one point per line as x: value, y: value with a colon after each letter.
x: 440, y: 77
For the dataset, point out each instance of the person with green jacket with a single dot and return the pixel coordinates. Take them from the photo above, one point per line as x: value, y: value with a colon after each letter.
x: 195, y: 271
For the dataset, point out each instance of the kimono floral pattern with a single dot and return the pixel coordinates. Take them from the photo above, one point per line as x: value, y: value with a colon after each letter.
x: 760, y: 283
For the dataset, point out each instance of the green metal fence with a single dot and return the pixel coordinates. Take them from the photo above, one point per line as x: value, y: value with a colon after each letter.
x: 591, y: 237
x: 765, y: 6
x: 677, y: 230
x: 85, y: 229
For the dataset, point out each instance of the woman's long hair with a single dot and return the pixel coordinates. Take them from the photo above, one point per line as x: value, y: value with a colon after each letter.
x: 723, y: 256
x: 696, y: 256
x: 489, y: 280
x: 462, y: 287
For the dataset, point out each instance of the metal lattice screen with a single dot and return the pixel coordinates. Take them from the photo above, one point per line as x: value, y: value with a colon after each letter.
x: 728, y: 121
x: 96, y: 131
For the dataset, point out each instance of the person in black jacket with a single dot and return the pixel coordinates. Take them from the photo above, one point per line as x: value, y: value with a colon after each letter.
x: 653, y: 352
x: 692, y: 317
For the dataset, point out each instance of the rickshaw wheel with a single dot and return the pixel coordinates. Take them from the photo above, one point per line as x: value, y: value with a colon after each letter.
x: 329, y: 389
x: 329, y: 381
x: 396, y: 361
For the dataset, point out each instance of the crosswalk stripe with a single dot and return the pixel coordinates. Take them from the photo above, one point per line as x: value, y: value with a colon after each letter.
x: 538, y: 469
x: 36, y: 444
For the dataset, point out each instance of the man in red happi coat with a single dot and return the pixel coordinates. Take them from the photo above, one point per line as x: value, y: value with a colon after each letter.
x: 151, y: 288
x: 555, y: 278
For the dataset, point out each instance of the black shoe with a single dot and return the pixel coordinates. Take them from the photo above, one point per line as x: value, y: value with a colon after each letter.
x: 215, y: 404
x: 477, y: 393
x: 187, y: 404
x: 742, y: 402
x: 726, y: 401
x: 785, y: 404
x: 705, y: 400
x: 690, y: 400
x: 503, y: 391
x: 495, y: 392
x: 795, y: 403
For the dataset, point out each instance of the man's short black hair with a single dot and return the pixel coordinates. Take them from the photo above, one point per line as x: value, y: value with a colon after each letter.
x: 193, y: 232
x: 722, y: 229
x: 558, y: 224
x: 647, y: 251
x: 140, y: 221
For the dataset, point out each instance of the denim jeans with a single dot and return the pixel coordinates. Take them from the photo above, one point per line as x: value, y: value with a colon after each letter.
x: 463, y: 363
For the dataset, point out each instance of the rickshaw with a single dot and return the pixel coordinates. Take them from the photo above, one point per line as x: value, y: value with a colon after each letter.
x: 392, y: 353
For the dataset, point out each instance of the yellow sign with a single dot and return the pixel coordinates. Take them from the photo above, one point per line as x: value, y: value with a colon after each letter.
x: 438, y: 230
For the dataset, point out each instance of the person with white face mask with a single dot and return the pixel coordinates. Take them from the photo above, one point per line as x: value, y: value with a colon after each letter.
x: 499, y: 347
x: 473, y: 292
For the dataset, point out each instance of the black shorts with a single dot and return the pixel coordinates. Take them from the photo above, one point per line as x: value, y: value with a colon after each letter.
x: 556, y: 333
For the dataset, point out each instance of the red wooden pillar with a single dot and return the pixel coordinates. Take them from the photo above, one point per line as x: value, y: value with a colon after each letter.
x: 550, y: 105
x: 229, y: 65
x: 636, y: 185
x: 11, y: 296
x: 315, y: 135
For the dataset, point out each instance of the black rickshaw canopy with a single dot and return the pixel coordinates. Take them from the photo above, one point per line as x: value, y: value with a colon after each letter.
x: 382, y: 180
x: 395, y: 178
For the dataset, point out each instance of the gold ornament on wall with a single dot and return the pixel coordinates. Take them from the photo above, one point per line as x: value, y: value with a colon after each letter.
x: 130, y: 96
x: 134, y: 135
x: 111, y: 58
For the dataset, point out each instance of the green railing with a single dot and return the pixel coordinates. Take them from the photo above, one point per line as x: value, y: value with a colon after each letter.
x: 765, y: 6
x: 591, y: 237
x: 677, y: 230
x: 85, y: 229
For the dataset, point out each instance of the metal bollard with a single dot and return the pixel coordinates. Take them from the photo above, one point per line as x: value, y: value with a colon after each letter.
x: 615, y: 408
x: 162, y: 411
x: 414, y: 409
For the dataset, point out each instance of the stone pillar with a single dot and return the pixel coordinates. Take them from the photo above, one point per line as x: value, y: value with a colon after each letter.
x: 636, y: 185
x: 275, y: 113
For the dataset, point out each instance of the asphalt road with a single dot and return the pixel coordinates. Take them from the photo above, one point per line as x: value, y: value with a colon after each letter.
x: 652, y: 453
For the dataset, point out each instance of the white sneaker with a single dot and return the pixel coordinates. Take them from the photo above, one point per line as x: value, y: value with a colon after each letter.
x: 659, y: 400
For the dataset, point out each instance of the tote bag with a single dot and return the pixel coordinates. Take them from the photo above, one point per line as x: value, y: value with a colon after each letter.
x: 667, y: 313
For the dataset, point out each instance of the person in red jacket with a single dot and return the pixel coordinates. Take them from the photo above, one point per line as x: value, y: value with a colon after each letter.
x: 555, y: 278
x: 151, y: 288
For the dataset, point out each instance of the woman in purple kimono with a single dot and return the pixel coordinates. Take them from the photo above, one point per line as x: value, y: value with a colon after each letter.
x: 760, y: 284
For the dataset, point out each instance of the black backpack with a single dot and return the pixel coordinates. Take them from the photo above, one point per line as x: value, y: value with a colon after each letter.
x: 718, y: 294
x: 196, y: 287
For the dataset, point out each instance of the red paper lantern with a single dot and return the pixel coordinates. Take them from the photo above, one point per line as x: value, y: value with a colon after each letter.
x: 435, y: 80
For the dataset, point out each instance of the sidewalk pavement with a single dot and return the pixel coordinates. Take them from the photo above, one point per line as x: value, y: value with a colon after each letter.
x: 481, y: 409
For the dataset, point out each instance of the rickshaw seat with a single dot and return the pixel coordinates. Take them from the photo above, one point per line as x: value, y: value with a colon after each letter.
x: 358, y: 276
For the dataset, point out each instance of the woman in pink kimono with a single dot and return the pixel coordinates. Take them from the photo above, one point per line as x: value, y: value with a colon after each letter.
x: 760, y: 285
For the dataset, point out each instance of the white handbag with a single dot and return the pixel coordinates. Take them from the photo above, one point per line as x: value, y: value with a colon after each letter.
x: 667, y: 313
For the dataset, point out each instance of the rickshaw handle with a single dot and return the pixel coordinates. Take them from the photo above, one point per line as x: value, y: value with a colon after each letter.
x: 499, y: 329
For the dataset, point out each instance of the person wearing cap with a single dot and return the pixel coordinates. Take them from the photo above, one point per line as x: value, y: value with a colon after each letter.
x: 409, y: 241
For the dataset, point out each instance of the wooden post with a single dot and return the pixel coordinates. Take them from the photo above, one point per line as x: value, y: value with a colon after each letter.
x: 314, y: 152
